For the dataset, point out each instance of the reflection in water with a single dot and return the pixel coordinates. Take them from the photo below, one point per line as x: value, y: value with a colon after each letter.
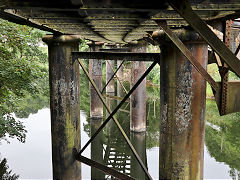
x: 222, y: 144
x: 139, y: 142
x: 117, y: 154
x: 96, y: 148
x: 5, y: 173
x: 222, y: 139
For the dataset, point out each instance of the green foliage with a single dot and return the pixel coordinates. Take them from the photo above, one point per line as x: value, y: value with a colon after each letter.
x: 22, y: 70
x: 5, y: 174
x: 222, y: 137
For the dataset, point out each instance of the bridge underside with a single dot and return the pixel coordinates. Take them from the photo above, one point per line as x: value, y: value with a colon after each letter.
x: 110, y: 20
x: 183, y: 73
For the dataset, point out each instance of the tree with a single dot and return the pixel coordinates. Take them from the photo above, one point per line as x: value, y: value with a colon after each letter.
x: 5, y: 174
x: 22, y: 68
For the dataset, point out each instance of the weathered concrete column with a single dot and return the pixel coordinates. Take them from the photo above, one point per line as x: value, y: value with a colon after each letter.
x: 65, y: 106
x: 110, y: 89
x: 120, y: 74
x: 96, y: 149
x: 138, y: 97
x: 139, y: 142
x: 182, y: 110
x: 95, y: 71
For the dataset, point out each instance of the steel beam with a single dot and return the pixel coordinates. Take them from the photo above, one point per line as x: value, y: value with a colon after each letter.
x: 184, y: 9
x: 103, y: 168
x: 116, y: 56
x: 188, y: 54
x: 22, y: 21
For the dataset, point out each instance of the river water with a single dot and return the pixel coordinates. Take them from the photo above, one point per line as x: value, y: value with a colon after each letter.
x: 32, y: 160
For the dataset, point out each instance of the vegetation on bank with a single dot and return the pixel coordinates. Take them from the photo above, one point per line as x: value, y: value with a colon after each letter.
x: 23, y: 76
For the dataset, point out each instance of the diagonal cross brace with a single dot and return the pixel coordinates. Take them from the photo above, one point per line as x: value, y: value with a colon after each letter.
x: 111, y: 116
x: 103, y: 168
x: 184, y: 9
x: 114, y: 73
x: 188, y: 54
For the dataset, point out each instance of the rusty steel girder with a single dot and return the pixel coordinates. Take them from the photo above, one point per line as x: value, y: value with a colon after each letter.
x: 224, y: 71
x: 188, y: 54
x: 184, y: 9
x: 228, y: 58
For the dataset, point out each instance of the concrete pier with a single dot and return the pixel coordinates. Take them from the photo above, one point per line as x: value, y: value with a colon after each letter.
x: 95, y: 71
x: 65, y: 106
x: 182, y: 110
x: 110, y: 89
x: 120, y: 74
x: 138, y: 97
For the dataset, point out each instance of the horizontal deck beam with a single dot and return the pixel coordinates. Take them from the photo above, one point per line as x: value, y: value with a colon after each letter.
x: 116, y: 56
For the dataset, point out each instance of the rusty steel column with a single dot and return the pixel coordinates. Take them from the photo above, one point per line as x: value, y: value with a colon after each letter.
x: 65, y: 106
x: 95, y: 71
x: 182, y: 110
x: 138, y: 97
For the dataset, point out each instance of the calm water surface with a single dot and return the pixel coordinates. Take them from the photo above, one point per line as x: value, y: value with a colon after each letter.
x: 32, y: 160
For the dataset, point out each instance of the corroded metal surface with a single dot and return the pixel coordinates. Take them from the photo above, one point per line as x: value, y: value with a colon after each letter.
x: 187, y: 53
x: 224, y: 71
x: 233, y: 97
x: 182, y: 114
x: 65, y: 108
x: 138, y: 97
x: 227, y: 56
x: 95, y: 70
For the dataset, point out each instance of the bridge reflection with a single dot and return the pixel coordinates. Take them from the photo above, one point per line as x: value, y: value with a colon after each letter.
x: 110, y: 149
